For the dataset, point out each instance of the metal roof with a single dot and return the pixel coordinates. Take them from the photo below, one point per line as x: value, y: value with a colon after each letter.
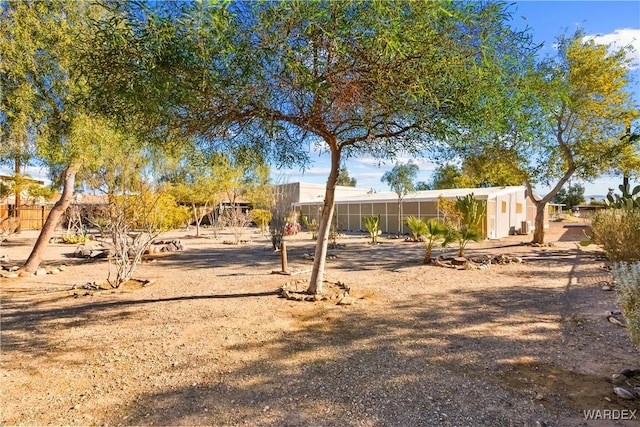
x: 421, y: 196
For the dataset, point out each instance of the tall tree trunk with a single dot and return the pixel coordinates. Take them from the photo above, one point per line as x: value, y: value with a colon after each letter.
x: 541, y: 204
x: 18, y: 192
x: 35, y: 258
x: 399, y: 215
x: 324, y: 227
x: 538, y: 233
x: 197, y: 218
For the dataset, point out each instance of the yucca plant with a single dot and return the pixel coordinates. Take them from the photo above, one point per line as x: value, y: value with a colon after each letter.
x: 372, y: 224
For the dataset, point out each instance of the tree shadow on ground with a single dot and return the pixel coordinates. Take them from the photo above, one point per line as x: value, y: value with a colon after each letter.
x: 425, y: 360
x: 30, y: 328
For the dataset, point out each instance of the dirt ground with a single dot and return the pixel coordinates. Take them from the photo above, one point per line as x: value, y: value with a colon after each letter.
x: 211, y: 343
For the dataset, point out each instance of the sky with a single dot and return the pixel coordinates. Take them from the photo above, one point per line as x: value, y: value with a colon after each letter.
x: 609, y: 22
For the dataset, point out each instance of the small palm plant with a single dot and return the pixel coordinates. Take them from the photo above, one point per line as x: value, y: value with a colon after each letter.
x: 464, y: 235
x: 433, y: 232
x: 372, y: 224
x: 417, y: 227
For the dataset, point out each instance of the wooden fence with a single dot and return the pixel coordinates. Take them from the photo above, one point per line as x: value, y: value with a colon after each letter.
x: 31, y: 217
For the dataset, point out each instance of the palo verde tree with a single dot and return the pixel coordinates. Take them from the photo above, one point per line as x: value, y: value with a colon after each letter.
x: 44, y: 92
x: 563, y: 117
x: 400, y: 180
x: 353, y: 78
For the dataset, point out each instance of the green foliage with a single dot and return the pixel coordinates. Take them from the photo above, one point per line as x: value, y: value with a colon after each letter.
x: 617, y: 231
x: 627, y: 278
x: 628, y: 200
x: 464, y: 235
x: 473, y: 211
x: 372, y: 224
x: 430, y: 232
x: 311, y: 226
x: 344, y: 178
x: 417, y: 227
x: 446, y: 176
x: 74, y: 239
x: 573, y: 196
x: 261, y: 217
x: 400, y: 178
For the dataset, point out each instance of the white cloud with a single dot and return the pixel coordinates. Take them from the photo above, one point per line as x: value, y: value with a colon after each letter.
x: 621, y: 38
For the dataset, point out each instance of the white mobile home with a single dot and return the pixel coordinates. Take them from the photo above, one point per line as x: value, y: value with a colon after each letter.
x: 509, y: 210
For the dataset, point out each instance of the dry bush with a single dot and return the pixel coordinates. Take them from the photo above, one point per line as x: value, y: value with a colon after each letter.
x: 617, y: 231
x: 627, y: 277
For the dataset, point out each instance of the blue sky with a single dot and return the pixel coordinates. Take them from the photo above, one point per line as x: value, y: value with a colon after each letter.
x: 607, y: 21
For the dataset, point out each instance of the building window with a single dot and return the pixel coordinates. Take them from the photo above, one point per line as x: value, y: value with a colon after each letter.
x: 504, y: 207
x: 518, y: 208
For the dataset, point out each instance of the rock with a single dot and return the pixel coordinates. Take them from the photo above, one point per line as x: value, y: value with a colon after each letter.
x: 24, y: 274
x: 630, y: 373
x: 54, y: 271
x: 11, y: 275
x: 62, y: 267
x: 624, y: 393
x: 82, y: 251
x: 606, y: 288
x: 615, y: 321
x: 459, y: 261
x: 346, y: 301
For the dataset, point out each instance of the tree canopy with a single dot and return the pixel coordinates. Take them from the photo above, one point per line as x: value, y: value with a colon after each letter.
x: 371, y: 78
x: 560, y: 117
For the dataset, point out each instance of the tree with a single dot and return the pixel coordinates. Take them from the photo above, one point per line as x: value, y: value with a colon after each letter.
x: 400, y: 180
x: 446, y: 176
x: 573, y: 196
x: 422, y: 186
x: 562, y: 117
x: 344, y: 178
x: 44, y: 93
x: 355, y: 78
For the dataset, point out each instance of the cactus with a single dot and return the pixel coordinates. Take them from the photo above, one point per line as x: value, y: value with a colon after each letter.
x: 626, y: 200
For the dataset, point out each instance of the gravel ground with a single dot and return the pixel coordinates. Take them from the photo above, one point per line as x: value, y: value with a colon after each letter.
x: 211, y: 343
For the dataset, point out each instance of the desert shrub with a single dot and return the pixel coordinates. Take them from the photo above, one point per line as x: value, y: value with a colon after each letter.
x: 617, y: 231
x: 311, y: 226
x: 74, y: 239
x: 627, y: 277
